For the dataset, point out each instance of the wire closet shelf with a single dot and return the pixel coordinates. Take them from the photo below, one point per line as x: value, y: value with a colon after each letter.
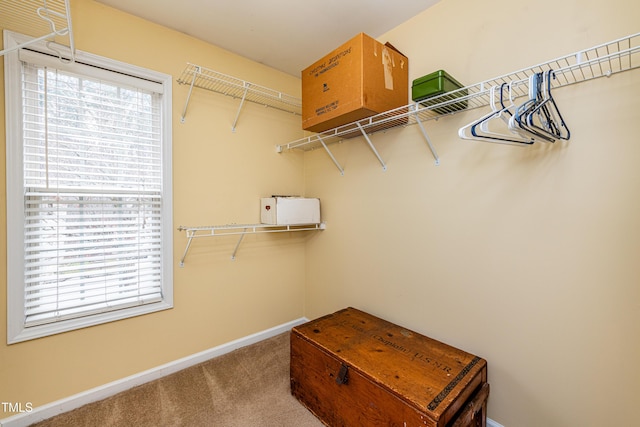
x: 204, y: 78
x: 600, y: 61
x: 241, y: 230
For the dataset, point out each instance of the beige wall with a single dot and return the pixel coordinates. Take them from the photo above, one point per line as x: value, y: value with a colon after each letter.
x: 528, y: 257
x: 219, y: 177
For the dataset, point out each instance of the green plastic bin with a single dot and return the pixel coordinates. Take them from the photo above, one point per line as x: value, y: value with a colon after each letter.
x: 438, y: 83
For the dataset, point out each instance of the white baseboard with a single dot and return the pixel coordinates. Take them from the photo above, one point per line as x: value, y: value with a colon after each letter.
x: 102, y: 392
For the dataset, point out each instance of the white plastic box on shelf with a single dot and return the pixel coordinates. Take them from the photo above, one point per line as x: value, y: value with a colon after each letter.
x: 289, y: 210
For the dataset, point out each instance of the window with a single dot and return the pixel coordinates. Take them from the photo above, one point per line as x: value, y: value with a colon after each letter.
x: 88, y: 192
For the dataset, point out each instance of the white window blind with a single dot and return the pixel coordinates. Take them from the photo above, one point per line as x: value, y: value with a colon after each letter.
x: 89, y: 195
x: 92, y: 162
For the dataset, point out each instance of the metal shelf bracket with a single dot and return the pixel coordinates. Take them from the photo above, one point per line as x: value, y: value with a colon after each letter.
x: 373, y: 148
x: 244, y: 96
x: 426, y: 137
x: 235, y: 250
x: 186, y: 104
x: 335, y: 162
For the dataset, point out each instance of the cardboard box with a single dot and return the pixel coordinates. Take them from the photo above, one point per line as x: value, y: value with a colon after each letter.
x: 289, y: 210
x: 361, y: 78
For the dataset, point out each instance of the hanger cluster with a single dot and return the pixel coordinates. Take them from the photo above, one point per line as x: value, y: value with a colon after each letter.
x: 536, y: 119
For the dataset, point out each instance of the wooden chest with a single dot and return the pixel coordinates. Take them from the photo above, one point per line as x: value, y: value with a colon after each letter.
x: 353, y: 369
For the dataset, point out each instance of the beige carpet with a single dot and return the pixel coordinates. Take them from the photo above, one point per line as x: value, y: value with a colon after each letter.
x: 247, y: 387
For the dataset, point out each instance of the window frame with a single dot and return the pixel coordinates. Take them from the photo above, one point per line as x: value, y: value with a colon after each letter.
x: 16, y: 329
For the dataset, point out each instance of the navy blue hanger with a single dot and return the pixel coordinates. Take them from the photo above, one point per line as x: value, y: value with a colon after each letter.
x: 550, y: 120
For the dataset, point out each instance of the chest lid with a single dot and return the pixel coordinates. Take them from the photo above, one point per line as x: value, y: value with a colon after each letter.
x: 422, y: 371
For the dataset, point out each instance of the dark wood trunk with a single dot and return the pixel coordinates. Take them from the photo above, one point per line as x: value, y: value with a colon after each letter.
x: 353, y: 369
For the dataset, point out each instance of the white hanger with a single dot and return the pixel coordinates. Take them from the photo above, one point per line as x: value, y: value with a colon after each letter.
x: 479, y: 129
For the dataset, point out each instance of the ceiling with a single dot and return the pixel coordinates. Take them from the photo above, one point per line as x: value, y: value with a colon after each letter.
x: 288, y: 35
